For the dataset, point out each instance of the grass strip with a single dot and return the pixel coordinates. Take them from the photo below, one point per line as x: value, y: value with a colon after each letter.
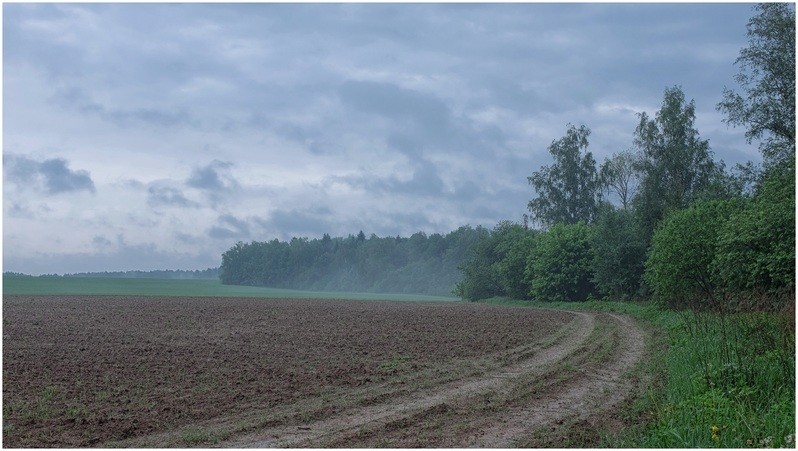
x: 101, y: 286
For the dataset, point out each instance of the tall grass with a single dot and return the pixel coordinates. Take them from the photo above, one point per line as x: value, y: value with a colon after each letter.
x: 731, y: 383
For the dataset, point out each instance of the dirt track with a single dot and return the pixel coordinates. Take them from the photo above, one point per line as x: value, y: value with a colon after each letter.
x: 455, y: 414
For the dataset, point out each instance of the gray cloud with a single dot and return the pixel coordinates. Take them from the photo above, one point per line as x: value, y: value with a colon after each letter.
x: 395, y: 102
x: 425, y: 181
x: 302, y: 222
x: 214, y: 177
x: 101, y: 242
x: 120, y: 258
x: 78, y: 99
x: 53, y: 175
x: 395, y: 117
x: 168, y: 196
x: 228, y: 227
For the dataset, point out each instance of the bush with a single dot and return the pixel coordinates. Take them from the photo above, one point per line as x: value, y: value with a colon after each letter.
x: 682, y: 250
x: 620, y: 251
x: 560, y: 266
x: 496, y: 265
x: 756, y: 246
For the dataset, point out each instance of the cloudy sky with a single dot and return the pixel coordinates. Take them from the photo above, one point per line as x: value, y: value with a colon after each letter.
x: 153, y: 136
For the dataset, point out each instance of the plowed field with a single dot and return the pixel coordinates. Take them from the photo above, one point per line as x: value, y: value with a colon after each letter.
x: 147, y: 371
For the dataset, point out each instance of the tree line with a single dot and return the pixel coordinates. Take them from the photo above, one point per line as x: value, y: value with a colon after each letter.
x: 683, y: 229
x: 661, y: 219
x: 419, y: 264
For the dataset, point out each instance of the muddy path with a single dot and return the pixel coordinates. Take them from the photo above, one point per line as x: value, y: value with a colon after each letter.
x: 582, y: 371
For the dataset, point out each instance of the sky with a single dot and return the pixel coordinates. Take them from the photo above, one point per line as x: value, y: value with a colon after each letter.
x: 156, y: 136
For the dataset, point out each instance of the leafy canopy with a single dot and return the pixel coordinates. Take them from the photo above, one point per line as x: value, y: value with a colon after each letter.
x: 569, y: 190
x: 766, y: 106
x: 560, y: 266
x: 676, y: 163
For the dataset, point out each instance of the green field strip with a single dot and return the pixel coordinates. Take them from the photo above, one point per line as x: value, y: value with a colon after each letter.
x: 44, y: 285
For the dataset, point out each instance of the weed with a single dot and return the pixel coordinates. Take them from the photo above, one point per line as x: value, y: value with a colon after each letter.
x: 396, y: 364
x: 731, y: 384
x: 76, y: 411
x: 200, y: 436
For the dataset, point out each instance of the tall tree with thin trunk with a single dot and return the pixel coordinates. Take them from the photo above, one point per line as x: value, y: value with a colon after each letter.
x: 677, y: 164
x: 766, y: 106
x: 620, y: 175
x: 570, y: 190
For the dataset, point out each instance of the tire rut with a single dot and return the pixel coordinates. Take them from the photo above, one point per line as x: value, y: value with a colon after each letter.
x: 603, y: 389
x: 349, y: 424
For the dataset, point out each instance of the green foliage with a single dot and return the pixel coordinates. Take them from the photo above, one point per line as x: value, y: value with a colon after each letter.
x: 569, y: 190
x: 682, y: 250
x: 756, y: 246
x: 677, y: 165
x: 619, y: 249
x: 496, y: 264
x: 560, y: 266
x: 619, y: 174
x: 731, y: 384
x: 418, y: 264
x: 767, y: 79
x: 479, y: 279
x: 515, y: 247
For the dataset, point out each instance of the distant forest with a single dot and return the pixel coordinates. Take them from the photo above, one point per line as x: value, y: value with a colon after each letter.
x: 420, y: 264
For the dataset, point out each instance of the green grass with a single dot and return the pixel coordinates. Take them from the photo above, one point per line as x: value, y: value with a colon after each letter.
x: 44, y: 285
x: 724, y: 381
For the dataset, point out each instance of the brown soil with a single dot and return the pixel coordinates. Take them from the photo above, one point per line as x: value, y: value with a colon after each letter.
x: 581, y: 378
x: 147, y: 371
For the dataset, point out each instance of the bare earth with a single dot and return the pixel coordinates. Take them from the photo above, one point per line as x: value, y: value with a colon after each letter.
x: 574, y: 399
x: 186, y: 372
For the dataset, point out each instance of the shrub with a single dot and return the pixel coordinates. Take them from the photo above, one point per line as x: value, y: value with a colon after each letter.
x: 619, y: 253
x: 682, y: 250
x: 756, y: 246
x: 560, y: 266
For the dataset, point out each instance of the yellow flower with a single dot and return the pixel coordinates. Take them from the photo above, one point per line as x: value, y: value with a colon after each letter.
x: 715, y: 432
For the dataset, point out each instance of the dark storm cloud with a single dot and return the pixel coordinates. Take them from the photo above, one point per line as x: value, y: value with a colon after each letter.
x: 53, y: 175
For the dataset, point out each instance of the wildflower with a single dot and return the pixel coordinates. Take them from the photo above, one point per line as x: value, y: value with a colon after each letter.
x: 715, y: 432
x: 766, y: 441
x: 789, y: 439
